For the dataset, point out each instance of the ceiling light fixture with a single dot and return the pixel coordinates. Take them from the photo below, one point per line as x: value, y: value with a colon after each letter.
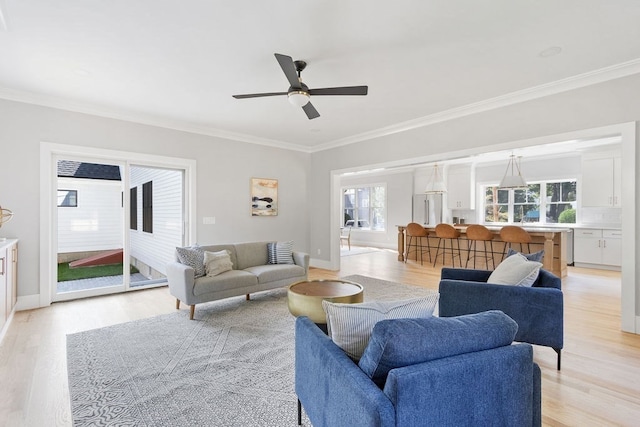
x: 299, y: 98
x: 436, y: 183
x: 513, y: 180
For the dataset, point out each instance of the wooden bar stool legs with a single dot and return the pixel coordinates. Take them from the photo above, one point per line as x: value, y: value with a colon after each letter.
x: 415, y: 233
x: 479, y: 233
x: 446, y: 232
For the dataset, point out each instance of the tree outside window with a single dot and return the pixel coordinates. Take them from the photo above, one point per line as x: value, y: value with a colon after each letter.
x: 556, y: 200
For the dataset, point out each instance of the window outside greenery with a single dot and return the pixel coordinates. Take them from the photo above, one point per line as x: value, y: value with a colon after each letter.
x: 557, y: 200
x: 364, y: 207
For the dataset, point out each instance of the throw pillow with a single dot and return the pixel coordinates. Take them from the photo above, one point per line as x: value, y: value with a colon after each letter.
x: 350, y: 325
x: 192, y: 256
x: 217, y: 262
x: 536, y: 256
x: 280, y: 252
x: 403, y: 342
x: 515, y: 270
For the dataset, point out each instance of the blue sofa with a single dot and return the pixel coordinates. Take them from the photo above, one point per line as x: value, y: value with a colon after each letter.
x: 538, y: 310
x: 459, y: 371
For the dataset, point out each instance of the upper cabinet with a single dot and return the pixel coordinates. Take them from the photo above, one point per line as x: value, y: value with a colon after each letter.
x: 601, y: 178
x: 460, y: 188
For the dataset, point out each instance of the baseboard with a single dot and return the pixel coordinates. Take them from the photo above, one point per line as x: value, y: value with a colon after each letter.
x: 320, y: 263
x: 28, y: 302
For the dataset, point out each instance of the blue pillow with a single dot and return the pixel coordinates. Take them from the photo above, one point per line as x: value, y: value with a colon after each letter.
x: 402, y: 342
x: 536, y: 256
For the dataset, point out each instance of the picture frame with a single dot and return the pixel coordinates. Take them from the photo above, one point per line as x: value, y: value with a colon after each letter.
x: 264, y: 197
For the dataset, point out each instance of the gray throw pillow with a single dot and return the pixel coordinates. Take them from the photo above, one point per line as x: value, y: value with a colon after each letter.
x: 536, y: 256
x: 192, y: 256
x: 280, y: 252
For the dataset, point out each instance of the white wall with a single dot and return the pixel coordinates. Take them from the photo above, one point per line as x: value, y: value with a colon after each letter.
x: 96, y: 223
x: 224, y: 170
x: 156, y: 249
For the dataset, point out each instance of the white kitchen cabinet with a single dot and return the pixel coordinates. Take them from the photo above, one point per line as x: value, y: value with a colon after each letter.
x: 598, y: 247
x: 601, y: 178
x: 460, y: 183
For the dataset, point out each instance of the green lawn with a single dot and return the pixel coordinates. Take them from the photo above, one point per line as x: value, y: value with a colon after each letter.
x: 65, y: 273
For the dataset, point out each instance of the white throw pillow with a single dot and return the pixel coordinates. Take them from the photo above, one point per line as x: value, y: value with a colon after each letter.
x: 350, y: 325
x: 217, y: 262
x: 515, y: 270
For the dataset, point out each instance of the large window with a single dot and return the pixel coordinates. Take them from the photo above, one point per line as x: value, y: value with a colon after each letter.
x: 542, y: 203
x: 364, y: 207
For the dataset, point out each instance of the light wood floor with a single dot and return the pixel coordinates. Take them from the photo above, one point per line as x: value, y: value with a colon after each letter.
x: 599, y: 384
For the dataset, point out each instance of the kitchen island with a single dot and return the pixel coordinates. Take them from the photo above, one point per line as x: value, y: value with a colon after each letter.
x: 552, y: 239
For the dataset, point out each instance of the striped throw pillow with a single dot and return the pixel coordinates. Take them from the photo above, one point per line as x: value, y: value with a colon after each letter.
x: 280, y: 252
x: 350, y: 325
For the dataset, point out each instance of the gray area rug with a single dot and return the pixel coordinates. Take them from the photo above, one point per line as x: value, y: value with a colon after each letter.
x: 232, y: 366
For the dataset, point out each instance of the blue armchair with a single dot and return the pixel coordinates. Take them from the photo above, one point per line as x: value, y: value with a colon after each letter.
x: 459, y: 371
x: 538, y: 310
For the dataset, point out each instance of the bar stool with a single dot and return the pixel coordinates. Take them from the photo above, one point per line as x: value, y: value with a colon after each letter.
x: 479, y: 233
x: 446, y: 232
x: 415, y: 233
x: 511, y: 234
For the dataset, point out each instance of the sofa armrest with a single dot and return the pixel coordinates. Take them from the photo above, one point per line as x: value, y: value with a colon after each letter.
x: 465, y: 274
x: 333, y: 390
x: 301, y: 259
x: 489, y: 387
x: 539, y: 312
x: 181, y: 279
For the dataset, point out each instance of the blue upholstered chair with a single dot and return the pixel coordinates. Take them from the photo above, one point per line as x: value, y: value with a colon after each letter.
x: 538, y: 310
x: 459, y: 371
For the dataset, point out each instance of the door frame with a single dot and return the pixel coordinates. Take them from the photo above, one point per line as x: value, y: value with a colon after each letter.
x: 50, y: 152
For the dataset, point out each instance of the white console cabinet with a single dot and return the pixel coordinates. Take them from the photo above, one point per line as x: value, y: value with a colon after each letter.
x: 8, y: 281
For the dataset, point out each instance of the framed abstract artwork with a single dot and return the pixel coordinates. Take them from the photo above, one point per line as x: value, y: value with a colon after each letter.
x: 264, y: 197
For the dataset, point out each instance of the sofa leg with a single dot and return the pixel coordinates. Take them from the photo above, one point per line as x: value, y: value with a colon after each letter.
x: 558, y: 350
x: 177, y: 304
x: 247, y: 297
x: 192, y: 311
x: 299, y: 413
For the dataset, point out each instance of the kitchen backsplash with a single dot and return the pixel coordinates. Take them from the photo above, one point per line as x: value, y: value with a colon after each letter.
x: 610, y: 217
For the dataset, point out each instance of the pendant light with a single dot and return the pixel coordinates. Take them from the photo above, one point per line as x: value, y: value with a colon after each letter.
x: 436, y: 183
x: 511, y: 179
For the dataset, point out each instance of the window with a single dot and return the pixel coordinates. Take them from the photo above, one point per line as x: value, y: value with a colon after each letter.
x: 67, y: 198
x: 557, y: 200
x: 133, y: 213
x: 147, y: 207
x: 364, y: 207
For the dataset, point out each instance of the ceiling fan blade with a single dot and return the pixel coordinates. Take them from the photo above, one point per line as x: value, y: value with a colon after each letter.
x: 311, y: 111
x: 258, y: 95
x: 346, y: 90
x: 289, y: 69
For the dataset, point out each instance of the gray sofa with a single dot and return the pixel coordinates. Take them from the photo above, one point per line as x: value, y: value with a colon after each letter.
x: 250, y: 274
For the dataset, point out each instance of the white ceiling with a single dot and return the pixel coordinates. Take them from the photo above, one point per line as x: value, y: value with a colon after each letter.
x: 177, y: 63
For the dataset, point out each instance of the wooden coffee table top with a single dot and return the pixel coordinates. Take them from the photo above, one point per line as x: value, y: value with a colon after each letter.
x: 326, y: 288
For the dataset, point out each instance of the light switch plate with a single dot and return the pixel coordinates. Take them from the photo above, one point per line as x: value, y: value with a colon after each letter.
x: 209, y: 220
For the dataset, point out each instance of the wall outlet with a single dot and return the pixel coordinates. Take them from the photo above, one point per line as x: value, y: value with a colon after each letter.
x: 319, y: 251
x: 209, y: 220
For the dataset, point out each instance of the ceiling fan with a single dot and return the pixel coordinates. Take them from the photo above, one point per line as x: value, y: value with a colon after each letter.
x: 299, y: 93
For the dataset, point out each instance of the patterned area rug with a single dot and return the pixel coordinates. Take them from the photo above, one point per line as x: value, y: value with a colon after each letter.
x: 233, y: 365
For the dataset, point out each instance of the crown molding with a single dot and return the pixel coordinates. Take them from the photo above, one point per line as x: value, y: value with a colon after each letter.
x: 144, y: 119
x: 575, y: 82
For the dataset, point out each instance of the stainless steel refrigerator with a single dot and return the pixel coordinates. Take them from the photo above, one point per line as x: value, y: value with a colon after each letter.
x: 427, y: 209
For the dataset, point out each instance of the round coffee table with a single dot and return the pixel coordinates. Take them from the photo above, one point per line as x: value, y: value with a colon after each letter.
x: 305, y: 298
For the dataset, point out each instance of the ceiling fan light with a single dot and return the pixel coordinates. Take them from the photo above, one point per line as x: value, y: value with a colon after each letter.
x: 298, y: 98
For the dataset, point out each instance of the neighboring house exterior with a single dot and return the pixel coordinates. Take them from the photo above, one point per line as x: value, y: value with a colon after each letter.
x: 89, y: 209
x: 155, y: 230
